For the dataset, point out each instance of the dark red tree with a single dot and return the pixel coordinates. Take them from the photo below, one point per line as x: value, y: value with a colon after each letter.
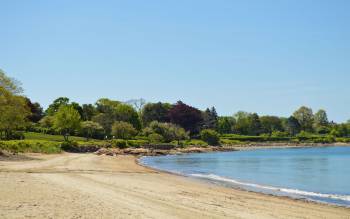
x: 36, y: 111
x: 188, y: 117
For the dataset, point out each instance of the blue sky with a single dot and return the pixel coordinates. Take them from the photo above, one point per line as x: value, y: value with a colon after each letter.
x: 268, y: 57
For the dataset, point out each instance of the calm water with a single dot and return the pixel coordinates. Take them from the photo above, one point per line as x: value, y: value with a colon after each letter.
x: 319, y: 174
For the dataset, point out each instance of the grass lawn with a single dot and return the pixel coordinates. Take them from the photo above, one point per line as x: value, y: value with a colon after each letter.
x: 40, y: 136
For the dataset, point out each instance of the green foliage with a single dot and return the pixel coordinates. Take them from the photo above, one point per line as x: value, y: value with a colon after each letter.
x: 14, y: 113
x: 305, y: 117
x: 229, y: 142
x: 123, y: 130
x: 168, y: 131
x: 53, y: 108
x: 90, y: 128
x: 292, y: 126
x: 320, y: 119
x: 10, y: 84
x: 155, y: 112
x: 194, y: 142
x: 279, y: 134
x: 126, y: 113
x: 120, y: 143
x: 31, y: 146
x: 71, y: 146
x: 225, y: 125
x: 210, y: 136
x: 137, y: 143
x: 247, y: 123
x: 88, y: 112
x: 66, y: 120
x: 271, y: 124
x: 343, y: 140
x: 155, y: 138
x: 246, y: 138
x: 210, y: 119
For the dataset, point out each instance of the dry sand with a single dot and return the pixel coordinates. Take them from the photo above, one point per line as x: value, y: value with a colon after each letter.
x: 91, y: 186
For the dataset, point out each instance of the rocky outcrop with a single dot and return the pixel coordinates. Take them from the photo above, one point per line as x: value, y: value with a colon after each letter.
x: 153, y: 152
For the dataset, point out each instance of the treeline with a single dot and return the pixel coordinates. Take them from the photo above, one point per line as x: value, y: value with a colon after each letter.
x: 156, y: 122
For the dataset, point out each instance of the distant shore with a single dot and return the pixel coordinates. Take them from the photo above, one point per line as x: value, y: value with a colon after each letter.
x: 206, y: 149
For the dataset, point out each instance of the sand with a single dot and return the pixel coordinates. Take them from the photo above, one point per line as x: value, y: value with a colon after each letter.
x: 91, y: 186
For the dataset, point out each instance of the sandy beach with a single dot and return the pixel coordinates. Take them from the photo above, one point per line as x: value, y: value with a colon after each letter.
x: 91, y: 186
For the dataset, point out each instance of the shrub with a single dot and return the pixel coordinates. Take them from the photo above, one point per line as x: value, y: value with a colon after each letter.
x: 229, y: 142
x: 168, y: 131
x: 70, y: 146
x: 210, y: 136
x: 123, y: 130
x: 279, y: 134
x: 155, y: 138
x: 31, y: 146
x: 137, y: 143
x: 195, y: 142
x: 120, y: 143
x: 344, y: 140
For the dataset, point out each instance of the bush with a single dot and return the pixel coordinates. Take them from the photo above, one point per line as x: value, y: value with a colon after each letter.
x: 31, y: 146
x: 229, y: 142
x: 246, y: 138
x: 123, y: 130
x: 120, y: 143
x: 137, y: 143
x: 279, y: 134
x: 194, y: 142
x: 70, y: 146
x: 170, y: 132
x: 343, y: 140
x: 210, y: 136
x: 155, y: 138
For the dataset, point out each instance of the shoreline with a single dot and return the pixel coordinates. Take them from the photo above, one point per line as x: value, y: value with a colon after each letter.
x: 241, y: 188
x: 90, y: 186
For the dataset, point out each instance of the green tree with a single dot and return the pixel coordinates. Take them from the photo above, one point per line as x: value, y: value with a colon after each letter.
x: 225, y: 125
x: 292, y: 126
x: 155, y: 112
x: 254, y: 124
x: 127, y: 113
x: 66, y: 120
x: 90, y: 128
x: 210, y: 119
x: 123, y: 130
x: 105, y: 105
x: 10, y: 84
x: 14, y: 112
x: 89, y: 111
x: 247, y: 123
x: 305, y: 118
x: 46, y: 124
x: 320, y: 119
x: 106, y: 120
x: 169, y: 131
x: 270, y: 124
x: 53, y: 108
x: 210, y: 136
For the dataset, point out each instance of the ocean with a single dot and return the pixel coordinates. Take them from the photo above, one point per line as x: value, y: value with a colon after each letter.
x: 319, y: 174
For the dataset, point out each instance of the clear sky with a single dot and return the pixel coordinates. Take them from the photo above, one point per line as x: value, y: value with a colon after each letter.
x: 268, y: 57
